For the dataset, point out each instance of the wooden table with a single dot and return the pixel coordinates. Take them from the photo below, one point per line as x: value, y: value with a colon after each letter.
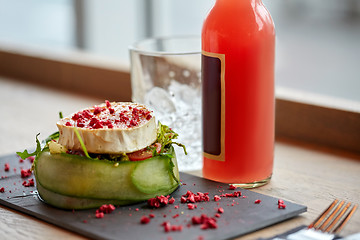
x: 304, y: 174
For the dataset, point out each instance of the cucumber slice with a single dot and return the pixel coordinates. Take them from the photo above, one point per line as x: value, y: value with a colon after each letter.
x: 67, y: 202
x: 80, y: 177
x: 155, y: 174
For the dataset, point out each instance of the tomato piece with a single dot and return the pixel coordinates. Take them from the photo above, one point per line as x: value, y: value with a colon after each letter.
x: 144, y: 153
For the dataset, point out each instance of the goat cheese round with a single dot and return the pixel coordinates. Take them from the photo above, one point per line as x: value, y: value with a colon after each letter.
x: 111, y: 128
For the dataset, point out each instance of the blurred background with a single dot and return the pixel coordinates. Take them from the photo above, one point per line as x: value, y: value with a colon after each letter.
x: 318, y: 41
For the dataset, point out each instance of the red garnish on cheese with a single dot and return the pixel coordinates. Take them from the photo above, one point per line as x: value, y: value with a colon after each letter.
x: 121, y: 116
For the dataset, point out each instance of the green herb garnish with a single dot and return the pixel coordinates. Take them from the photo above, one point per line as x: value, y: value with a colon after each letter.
x: 165, y: 136
x: 81, y: 143
x: 25, y: 154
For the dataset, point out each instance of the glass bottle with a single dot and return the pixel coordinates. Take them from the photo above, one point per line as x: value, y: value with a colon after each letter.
x: 238, y: 51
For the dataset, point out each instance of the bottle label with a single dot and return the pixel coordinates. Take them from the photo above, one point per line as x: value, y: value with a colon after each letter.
x: 213, y: 105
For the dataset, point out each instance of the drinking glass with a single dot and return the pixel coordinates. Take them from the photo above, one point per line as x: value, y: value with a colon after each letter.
x: 165, y: 76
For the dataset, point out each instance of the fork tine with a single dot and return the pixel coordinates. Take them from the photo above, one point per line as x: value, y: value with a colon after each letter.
x: 346, y: 219
x: 330, y: 217
x: 336, y: 220
x: 323, y: 215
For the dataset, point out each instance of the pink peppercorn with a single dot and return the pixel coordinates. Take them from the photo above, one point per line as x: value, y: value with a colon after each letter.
x: 281, y: 206
x: 98, y: 125
x: 191, y: 206
x: 30, y: 183
x: 216, y: 198
x: 106, y: 208
x: 176, y: 228
x: 212, y: 223
x: 158, y: 201
x: 204, y: 226
x: 25, y: 173
x: 257, y: 201
x: 144, y: 220
x: 220, y: 210
x: 191, y: 197
x: 31, y: 159
x: 167, y: 226
x: 205, y: 221
x: 108, y: 104
x: 195, y: 220
x: 232, y: 187
x: 197, y: 198
x: 97, y: 110
x: 110, y: 208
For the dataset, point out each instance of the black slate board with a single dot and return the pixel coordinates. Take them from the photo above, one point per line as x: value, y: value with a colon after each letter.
x: 241, y: 215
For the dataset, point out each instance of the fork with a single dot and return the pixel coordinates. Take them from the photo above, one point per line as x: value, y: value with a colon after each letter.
x: 332, y: 220
x: 328, y: 224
